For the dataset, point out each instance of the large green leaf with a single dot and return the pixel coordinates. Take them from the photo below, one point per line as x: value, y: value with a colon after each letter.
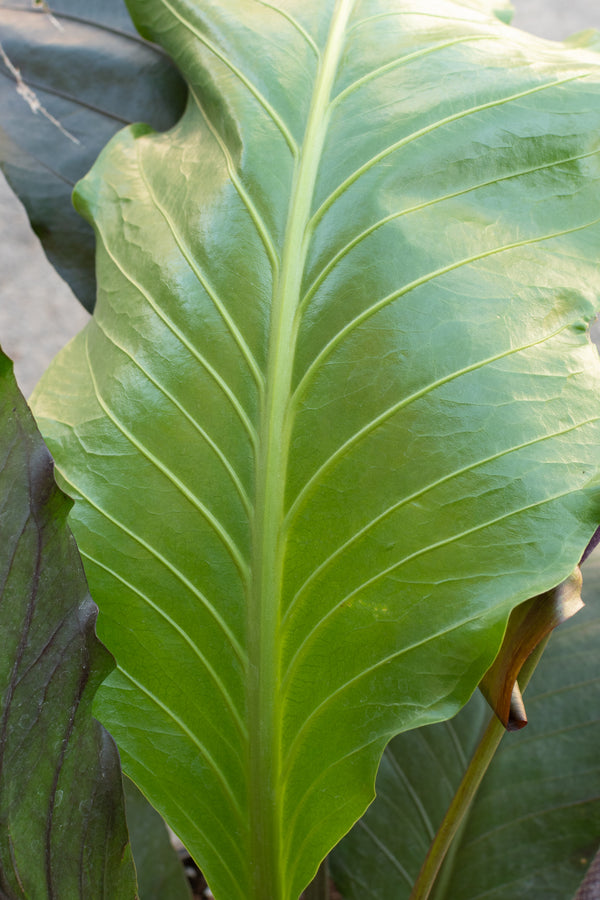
x: 535, y: 822
x: 62, y: 822
x: 331, y: 419
x: 62, y: 97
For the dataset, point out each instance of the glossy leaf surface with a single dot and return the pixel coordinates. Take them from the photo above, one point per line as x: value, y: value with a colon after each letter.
x: 533, y: 828
x: 331, y: 420
x: 62, y: 97
x: 62, y: 822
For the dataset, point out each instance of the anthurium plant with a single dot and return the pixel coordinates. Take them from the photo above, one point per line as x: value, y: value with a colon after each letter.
x: 335, y: 415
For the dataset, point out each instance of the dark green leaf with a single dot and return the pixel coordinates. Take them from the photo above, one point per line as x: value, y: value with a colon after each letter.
x: 533, y: 828
x: 159, y: 870
x: 418, y: 776
x: 62, y: 823
x: 331, y: 420
x: 91, y: 74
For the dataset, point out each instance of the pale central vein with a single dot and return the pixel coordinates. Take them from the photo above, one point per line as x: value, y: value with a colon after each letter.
x: 264, y: 701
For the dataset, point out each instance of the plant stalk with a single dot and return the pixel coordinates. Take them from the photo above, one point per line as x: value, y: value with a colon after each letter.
x: 466, y: 792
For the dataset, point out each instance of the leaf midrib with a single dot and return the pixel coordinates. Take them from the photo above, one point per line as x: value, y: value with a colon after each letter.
x: 264, y: 607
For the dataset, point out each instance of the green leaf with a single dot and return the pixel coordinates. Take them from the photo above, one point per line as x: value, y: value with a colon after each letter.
x: 331, y: 420
x: 533, y: 827
x: 62, y: 78
x: 160, y: 872
x: 417, y: 779
x: 62, y: 822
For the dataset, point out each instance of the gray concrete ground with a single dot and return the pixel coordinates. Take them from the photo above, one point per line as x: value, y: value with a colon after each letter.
x: 556, y: 19
x: 38, y: 313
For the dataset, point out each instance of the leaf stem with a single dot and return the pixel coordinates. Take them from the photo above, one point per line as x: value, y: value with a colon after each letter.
x: 466, y: 792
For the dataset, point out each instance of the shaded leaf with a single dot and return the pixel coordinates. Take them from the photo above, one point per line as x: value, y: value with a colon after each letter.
x: 533, y: 827
x: 160, y: 873
x: 331, y: 420
x: 68, y: 81
x: 62, y: 823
